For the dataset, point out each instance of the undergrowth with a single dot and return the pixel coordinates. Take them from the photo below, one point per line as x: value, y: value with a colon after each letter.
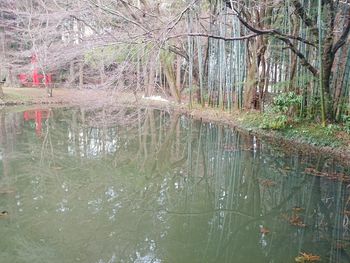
x: 282, y: 117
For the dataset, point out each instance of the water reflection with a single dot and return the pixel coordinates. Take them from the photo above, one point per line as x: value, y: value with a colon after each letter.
x: 35, y: 118
x: 150, y: 186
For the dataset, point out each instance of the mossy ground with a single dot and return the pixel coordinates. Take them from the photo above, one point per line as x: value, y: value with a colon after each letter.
x: 303, y: 131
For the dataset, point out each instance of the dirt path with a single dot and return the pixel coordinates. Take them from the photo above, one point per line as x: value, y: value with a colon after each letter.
x: 28, y: 96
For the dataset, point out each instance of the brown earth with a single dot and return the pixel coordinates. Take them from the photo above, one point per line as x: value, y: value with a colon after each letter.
x: 29, y: 96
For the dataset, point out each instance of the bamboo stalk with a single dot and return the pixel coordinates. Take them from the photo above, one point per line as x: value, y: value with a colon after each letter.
x: 320, y: 52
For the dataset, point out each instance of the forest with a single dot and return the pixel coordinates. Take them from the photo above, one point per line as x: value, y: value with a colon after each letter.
x: 288, y: 59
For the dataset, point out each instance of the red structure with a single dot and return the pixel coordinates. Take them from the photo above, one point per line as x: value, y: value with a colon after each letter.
x: 37, y: 116
x: 35, y: 79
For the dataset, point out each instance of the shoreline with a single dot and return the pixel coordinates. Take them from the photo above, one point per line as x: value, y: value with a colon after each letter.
x: 99, y: 98
x: 340, y: 154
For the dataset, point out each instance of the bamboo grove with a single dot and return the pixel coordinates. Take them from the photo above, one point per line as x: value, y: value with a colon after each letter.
x: 234, y: 55
x: 291, y: 47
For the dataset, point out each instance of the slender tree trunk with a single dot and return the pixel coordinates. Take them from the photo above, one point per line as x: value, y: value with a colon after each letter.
x: 3, y: 143
x: 328, y: 61
x: 102, y: 74
x: 81, y: 74
x: 71, y: 73
x: 2, y: 57
x: 171, y: 79
x: 1, y: 91
x: 293, y: 68
x: 178, y: 73
x: 151, y: 77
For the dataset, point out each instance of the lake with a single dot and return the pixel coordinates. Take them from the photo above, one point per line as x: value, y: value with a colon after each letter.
x: 144, y: 185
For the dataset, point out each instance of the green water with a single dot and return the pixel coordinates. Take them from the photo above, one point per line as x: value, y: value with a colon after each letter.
x: 149, y: 186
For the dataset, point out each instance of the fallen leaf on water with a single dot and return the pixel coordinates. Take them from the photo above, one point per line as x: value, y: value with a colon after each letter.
x: 305, y: 257
x: 341, y: 245
x: 300, y: 259
x: 3, y: 214
x: 296, y: 220
x: 347, y: 212
x: 264, y: 230
x: 331, y: 176
x: 7, y: 191
x: 297, y: 209
x: 229, y: 148
x: 57, y: 167
x: 267, y: 183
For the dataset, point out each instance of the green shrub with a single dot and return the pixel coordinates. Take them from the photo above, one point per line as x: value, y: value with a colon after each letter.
x: 346, y: 121
x: 284, y: 102
x: 278, y: 115
x: 331, y: 129
x: 274, y: 122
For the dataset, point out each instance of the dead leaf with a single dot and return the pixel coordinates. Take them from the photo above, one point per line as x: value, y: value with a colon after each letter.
x: 297, y: 209
x: 305, y: 257
x: 347, y: 212
x: 7, y: 191
x: 264, y: 230
x: 341, y: 245
x: 229, y: 148
x: 296, y: 220
x: 331, y: 176
x: 56, y: 167
x: 3, y: 214
x: 267, y: 183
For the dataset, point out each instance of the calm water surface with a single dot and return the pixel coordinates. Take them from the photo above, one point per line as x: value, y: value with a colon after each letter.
x: 149, y: 186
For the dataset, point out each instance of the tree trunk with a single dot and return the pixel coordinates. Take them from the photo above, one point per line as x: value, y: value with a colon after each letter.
x: 71, y: 73
x: 251, y: 82
x: 1, y: 92
x: 151, y: 77
x: 250, y: 90
x: 170, y: 76
x: 2, y: 57
x: 81, y: 74
x: 328, y: 60
x: 178, y: 73
x: 3, y: 143
x: 102, y: 74
x: 294, y: 57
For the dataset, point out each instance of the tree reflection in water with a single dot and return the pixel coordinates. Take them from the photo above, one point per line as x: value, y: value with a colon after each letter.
x: 119, y: 185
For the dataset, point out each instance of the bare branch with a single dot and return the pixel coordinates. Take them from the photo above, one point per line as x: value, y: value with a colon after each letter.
x: 303, y: 60
x: 271, y: 31
x: 214, y: 36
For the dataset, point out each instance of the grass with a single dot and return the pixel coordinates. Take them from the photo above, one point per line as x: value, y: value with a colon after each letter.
x: 303, y: 132
x: 314, y: 134
x: 307, y: 132
x: 22, y: 94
